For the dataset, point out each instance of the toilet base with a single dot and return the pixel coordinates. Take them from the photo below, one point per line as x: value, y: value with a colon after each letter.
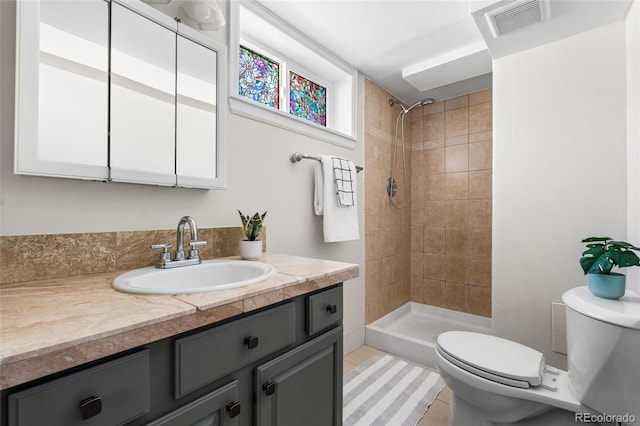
x: 480, y: 402
x: 464, y: 414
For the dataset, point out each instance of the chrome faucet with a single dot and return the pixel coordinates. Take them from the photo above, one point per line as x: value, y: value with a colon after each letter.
x: 180, y: 241
x: 180, y: 259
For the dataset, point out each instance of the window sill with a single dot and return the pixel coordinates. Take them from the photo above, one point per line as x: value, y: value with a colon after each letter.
x: 250, y: 109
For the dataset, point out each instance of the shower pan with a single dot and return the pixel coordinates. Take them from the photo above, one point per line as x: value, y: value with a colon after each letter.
x: 411, y: 330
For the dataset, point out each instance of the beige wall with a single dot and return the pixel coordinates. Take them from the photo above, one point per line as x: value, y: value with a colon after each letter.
x: 387, y: 228
x: 451, y: 203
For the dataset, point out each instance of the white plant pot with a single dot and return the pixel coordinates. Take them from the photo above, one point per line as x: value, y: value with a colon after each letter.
x: 250, y: 250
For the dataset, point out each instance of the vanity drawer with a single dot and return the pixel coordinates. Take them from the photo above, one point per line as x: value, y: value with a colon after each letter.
x: 324, y: 309
x: 207, y: 356
x: 220, y: 407
x: 109, y: 394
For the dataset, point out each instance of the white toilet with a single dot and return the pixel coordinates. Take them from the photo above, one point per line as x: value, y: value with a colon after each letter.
x: 495, y: 381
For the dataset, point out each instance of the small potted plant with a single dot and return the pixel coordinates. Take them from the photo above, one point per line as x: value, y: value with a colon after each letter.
x: 251, y: 246
x: 602, y: 254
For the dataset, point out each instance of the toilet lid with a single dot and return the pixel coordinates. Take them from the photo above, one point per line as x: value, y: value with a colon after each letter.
x: 494, y: 358
x: 624, y: 312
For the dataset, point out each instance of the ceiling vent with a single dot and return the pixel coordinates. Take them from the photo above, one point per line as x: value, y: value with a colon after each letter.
x: 517, y: 14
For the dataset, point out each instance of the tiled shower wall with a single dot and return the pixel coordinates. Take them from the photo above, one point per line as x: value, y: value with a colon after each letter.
x: 438, y: 249
x: 387, y: 229
x: 451, y: 203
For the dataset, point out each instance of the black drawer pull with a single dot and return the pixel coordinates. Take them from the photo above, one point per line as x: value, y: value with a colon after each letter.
x: 90, y: 407
x: 233, y: 408
x: 251, y: 341
x: 269, y: 388
x: 332, y: 309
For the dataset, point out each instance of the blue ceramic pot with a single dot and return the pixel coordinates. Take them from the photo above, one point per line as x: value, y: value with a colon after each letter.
x: 607, y: 286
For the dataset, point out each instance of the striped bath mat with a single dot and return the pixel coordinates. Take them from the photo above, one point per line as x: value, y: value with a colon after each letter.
x: 388, y: 391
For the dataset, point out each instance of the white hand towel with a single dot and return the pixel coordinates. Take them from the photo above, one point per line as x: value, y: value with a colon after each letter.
x: 340, y: 223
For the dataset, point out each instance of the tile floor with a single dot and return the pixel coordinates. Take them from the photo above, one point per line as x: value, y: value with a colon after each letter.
x: 438, y: 412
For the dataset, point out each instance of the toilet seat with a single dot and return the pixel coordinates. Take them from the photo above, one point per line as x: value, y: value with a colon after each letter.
x: 493, y: 358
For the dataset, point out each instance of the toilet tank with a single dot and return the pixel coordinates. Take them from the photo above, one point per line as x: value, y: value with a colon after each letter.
x: 603, y: 349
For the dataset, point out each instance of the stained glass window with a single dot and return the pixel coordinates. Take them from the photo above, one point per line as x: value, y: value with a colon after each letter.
x: 307, y: 99
x: 259, y: 77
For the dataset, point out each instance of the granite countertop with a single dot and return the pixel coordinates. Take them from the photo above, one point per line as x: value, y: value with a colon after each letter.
x: 48, y: 326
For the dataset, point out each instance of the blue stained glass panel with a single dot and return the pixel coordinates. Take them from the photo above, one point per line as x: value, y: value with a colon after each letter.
x: 307, y: 99
x: 259, y: 78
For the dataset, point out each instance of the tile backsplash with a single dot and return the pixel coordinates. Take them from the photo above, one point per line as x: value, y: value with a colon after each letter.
x: 36, y: 257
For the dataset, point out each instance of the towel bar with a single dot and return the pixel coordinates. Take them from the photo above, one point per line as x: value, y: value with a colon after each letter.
x: 297, y: 156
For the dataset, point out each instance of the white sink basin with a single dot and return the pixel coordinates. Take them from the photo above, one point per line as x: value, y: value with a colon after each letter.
x: 210, y: 275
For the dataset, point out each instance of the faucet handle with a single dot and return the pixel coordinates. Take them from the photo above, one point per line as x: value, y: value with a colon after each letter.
x: 165, y: 256
x: 193, y: 252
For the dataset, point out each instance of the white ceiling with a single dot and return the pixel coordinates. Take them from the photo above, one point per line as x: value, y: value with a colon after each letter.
x: 382, y: 38
x: 431, y: 48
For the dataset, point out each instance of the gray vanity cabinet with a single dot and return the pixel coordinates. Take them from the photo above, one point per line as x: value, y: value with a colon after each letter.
x: 303, y: 386
x: 280, y: 365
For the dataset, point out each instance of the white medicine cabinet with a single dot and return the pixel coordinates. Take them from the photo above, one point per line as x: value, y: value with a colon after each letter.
x: 115, y: 90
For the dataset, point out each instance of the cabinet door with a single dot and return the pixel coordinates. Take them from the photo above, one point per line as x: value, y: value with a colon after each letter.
x: 197, y: 114
x: 218, y: 408
x: 143, y: 90
x: 303, y: 386
x: 62, y: 91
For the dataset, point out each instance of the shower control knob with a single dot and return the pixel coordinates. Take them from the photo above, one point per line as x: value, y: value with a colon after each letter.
x: 392, y: 187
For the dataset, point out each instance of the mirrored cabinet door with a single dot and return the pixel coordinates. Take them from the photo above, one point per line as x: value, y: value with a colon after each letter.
x: 196, y: 114
x: 143, y: 88
x: 62, y: 88
x: 116, y: 90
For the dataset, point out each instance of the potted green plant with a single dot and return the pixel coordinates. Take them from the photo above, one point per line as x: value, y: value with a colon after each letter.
x: 602, y: 254
x: 251, y: 246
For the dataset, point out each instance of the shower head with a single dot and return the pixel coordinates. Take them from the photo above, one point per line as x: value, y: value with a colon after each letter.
x: 423, y: 102
x: 405, y: 110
